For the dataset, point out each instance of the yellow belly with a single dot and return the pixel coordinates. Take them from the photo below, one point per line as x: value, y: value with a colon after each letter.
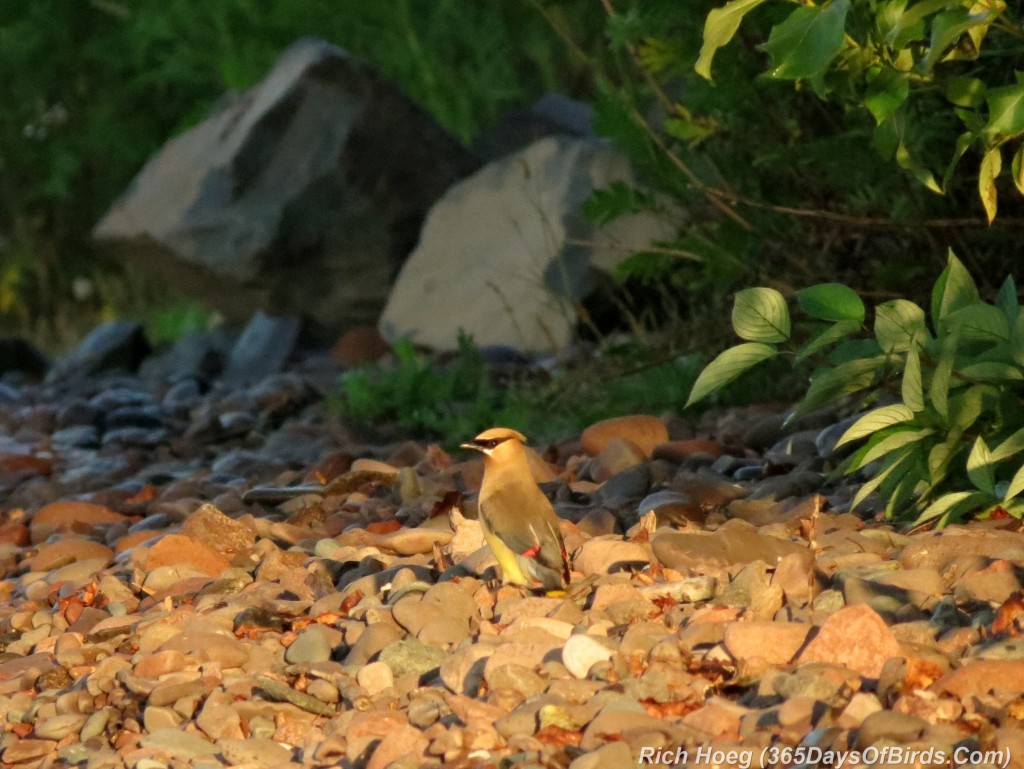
x: 511, y: 574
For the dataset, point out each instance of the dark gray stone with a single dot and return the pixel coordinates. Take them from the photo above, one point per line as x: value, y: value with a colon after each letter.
x: 302, y: 195
x: 17, y: 354
x: 262, y: 349
x: 194, y: 355
x: 118, y: 345
x: 551, y: 115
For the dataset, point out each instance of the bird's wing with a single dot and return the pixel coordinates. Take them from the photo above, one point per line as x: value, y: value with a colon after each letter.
x: 537, y: 536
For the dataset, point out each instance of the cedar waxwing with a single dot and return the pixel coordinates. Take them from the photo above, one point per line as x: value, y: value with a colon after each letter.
x: 518, y: 522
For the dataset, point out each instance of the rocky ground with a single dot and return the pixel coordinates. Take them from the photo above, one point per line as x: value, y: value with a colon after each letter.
x: 229, y: 577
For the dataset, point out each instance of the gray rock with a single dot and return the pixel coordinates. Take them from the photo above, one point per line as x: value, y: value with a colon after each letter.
x: 196, y: 354
x: 626, y: 488
x: 312, y: 645
x: 135, y: 436
x: 80, y: 436
x: 552, y: 114
x: 118, y: 345
x: 794, y: 484
x: 725, y: 547
x: 375, y: 638
x: 827, y: 439
x: 179, y: 744
x: 279, y: 692
x: 262, y: 349
x: 500, y: 256
x: 889, y: 725
x: 301, y: 195
x: 412, y: 656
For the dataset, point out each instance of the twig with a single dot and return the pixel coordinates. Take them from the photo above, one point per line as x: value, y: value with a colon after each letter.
x: 637, y: 249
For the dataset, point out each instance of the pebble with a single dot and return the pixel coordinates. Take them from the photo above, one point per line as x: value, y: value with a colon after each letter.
x: 582, y: 652
x: 70, y: 517
x: 375, y: 678
x: 162, y: 608
x: 775, y: 642
x: 314, y: 644
x: 606, y: 556
x: 411, y: 656
x: 855, y: 637
x: 645, y: 432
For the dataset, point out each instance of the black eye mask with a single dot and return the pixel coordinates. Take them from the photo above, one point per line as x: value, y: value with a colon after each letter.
x: 489, y: 444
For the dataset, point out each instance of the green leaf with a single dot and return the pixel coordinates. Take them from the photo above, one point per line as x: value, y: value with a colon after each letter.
x: 1006, y: 301
x: 1017, y: 169
x: 965, y: 91
x: 1009, y: 447
x: 890, y: 140
x: 807, y: 41
x: 1006, y: 110
x: 954, y: 289
x: 761, y: 315
x: 963, y: 143
x: 992, y: 371
x: 940, y: 456
x: 897, y: 466
x: 876, y: 420
x: 950, y: 505
x: 616, y: 200
x: 900, y: 496
x: 689, y: 131
x: 853, y: 349
x: 991, y: 165
x: 1016, y: 484
x: 899, y: 325
x: 1018, y: 340
x: 719, y: 28
x: 965, y: 407
x: 979, y: 322
x: 889, y: 443
x: 979, y: 467
x: 911, y: 388
x: 831, y: 301
x: 835, y: 332
x: 938, y: 390
x: 901, y: 26
x: 885, y: 93
x: 947, y: 27
x: 727, y: 366
x: 846, y: 378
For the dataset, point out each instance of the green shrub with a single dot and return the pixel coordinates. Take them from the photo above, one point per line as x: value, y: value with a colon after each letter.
x: 945, y: 435
x: 453, y: 400
x: 787, y: 166
x: 908, y: 67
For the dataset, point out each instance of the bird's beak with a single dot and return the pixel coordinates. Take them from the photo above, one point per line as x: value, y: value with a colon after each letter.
x: 471, y: 446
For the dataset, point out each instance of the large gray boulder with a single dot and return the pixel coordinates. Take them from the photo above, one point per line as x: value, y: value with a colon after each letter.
x: 301, y: 196
x: 507, y: 255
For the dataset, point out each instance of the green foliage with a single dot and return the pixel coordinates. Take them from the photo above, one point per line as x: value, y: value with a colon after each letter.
x: 950, y: 445
x: 453, y: 400
x: 788, y: 162
x: 167, y: 324
x: 906, y: 66
x: 459, y: 398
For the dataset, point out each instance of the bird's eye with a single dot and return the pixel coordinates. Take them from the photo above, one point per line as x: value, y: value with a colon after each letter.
x: 487, y: 444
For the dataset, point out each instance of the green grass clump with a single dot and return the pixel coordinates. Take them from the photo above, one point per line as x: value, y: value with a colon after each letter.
x: 450, y: 401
